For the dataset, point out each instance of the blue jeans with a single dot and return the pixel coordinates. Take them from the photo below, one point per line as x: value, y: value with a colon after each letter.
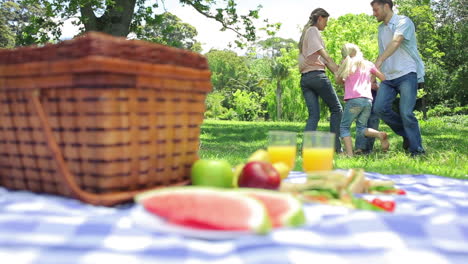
x: 404, y: 123
x: 358, y: 109
x: 367, y: 143
x: 316, y: 84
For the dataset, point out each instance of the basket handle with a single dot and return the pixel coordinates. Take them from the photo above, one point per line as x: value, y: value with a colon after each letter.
x: 66, y: 176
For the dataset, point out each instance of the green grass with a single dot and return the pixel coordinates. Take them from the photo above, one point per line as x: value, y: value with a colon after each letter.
x: 445, y: 140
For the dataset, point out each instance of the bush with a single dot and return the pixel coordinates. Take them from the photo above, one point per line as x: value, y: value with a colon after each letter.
x: 247, y: 105
x: 442, y: 110
x: 214, y: 106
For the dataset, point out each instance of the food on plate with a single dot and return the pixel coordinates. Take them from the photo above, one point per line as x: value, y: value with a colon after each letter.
x: 259, y: 174
x: 282, y: 168
x: 237, y: 171
x: 259, y: 155
x: 341, y: 188
x: 243, y: 209
x: 215, y: 173
x: 383, y: 187
x: 207, y: 208
x: 283, y: 208
x: 388, y: 206
x: 356, y: 182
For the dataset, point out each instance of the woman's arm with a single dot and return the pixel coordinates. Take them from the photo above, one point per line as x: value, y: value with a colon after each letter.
x: 331, y: 65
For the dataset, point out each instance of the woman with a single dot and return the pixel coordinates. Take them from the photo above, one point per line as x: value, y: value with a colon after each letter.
x: 313, y: 58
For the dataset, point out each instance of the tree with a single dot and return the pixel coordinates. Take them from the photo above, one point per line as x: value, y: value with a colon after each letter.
x: 452, y: 29
x: 271, y: 47
x: 121, y: 17
x: 169, y: 30
x: 15, y: 17
x: 279, y: 72
x: 7, y: 38
x: 441, y: 27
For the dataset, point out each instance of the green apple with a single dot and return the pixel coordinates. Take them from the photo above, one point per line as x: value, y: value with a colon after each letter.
x: 215, y: 173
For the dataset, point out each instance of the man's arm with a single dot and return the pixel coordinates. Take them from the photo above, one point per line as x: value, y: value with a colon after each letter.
x: 331, y: 65
x: 389, y: 50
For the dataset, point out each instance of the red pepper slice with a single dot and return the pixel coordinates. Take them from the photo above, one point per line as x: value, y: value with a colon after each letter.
x: 388, y: 206
x: 401, y: 192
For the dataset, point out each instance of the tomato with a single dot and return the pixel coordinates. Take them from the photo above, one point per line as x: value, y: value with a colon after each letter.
x: 395, y: 191
x: 388, y: 206
x: 401, y: 192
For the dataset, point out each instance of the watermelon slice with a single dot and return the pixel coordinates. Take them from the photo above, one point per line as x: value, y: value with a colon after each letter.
x: 207, y: 208
x: 283, y: 208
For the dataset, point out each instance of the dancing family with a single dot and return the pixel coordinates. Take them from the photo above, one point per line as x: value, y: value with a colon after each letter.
x: 399, y: 67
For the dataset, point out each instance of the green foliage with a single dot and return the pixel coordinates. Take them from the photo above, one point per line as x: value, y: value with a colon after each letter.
x: 18, y: 25
x: 247, y: 105
x: 442, y: 31
x: 358, y: 29
x: 214, y: 106
x: 231, y: 73
x: 444, y: 139
x: 119, y: 18
x: 169, y: 30
x: 271, y: 47
x: 292, y: 102
x: 443, y: 110
x: 7, y: 38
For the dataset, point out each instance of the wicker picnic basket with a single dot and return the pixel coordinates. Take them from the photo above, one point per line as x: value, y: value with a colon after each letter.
x: 100, y: 118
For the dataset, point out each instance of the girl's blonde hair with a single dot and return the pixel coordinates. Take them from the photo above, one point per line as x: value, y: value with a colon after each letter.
x: 313, y: 18
x: 352, y: 60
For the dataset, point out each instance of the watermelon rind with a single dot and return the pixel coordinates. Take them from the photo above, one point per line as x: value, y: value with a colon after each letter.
x: 260, y: 223
x: 295, y: 215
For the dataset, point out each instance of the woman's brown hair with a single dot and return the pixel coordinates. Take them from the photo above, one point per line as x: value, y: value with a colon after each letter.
x: 313, y: 18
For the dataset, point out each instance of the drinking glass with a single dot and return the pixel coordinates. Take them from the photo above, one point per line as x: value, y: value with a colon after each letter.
x: 318, y: 149
x: 282, y: 147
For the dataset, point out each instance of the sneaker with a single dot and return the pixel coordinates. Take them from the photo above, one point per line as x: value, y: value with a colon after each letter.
x: 418, y: 153
x: 405, y: 143
x: 359, y: 152
x: 362, y: 152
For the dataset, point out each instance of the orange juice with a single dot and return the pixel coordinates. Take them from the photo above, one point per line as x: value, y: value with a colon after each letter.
x: 317, y: 159
x: 286, y: 154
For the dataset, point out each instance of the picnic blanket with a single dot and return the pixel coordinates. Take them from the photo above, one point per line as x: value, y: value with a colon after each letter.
x: 429, y: 225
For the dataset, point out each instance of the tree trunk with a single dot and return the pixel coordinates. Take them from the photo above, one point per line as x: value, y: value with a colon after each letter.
x: 115, y: 20
x: 278, y: 100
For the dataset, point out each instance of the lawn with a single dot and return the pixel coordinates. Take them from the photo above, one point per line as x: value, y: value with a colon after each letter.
x: 445, y: 140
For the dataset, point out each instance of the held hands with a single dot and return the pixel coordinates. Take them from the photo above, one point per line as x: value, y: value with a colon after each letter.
x: 374, y: 86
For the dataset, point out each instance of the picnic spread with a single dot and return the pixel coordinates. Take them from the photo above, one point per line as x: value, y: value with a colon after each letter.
x: 99, y: 139
x: 430, y: 223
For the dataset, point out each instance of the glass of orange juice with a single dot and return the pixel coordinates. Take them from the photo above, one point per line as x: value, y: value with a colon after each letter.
x: 282, y: 147
x: 318, y: 149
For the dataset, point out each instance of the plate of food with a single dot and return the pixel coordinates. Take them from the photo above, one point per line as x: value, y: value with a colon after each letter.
x: 216, y: 213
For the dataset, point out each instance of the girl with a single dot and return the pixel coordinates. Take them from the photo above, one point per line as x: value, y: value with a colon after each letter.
x: 355, y: 73
x: 313, y: 59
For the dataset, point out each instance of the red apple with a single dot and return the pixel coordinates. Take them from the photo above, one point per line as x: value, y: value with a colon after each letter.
x: 259, y: 174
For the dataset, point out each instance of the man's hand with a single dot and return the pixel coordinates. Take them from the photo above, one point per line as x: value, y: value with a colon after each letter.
x: 389, y: 50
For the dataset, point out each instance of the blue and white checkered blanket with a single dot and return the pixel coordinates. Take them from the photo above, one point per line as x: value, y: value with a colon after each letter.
x: 429, y: 225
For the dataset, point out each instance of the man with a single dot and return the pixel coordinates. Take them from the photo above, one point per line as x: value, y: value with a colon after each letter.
x: 399, y: 60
